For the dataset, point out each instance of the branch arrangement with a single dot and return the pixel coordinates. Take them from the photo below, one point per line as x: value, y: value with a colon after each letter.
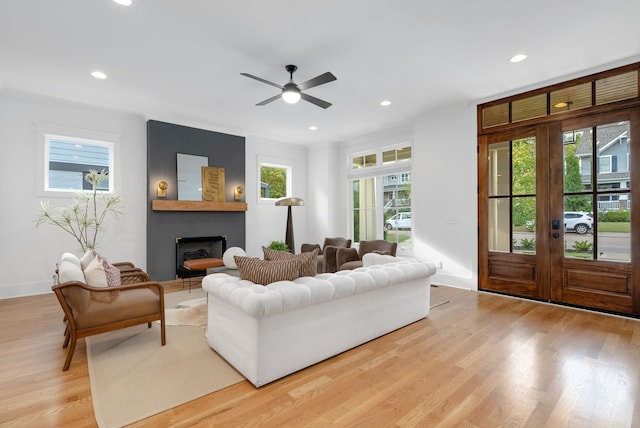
x: 84, y: 217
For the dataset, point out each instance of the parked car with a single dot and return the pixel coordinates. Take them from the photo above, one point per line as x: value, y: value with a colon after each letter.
x: 580, y: 222
x: 399, y: 221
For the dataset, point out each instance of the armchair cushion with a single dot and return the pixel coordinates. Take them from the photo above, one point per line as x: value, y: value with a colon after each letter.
x: 308, y: 248
x: 350, y: 260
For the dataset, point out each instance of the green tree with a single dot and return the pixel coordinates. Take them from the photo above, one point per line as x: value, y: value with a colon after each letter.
x: 276, y: 178
x: 523, y: 170
x: 573, y: 180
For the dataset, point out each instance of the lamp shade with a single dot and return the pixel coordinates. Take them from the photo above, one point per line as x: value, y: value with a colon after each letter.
x: 291, y: 202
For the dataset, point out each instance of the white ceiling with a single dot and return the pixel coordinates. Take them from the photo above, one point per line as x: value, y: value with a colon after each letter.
x: 180, y: 60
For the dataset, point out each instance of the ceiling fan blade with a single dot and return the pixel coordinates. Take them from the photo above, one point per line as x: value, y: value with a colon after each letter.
x: 314, y: 100
x: 269, y: 100
x: 262, y: 80
x: 318, y: 80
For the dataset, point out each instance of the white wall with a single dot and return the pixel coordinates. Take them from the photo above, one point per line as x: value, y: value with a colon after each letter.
x: 29, y: 254
x: 266, y: 222
x: 444, y: 190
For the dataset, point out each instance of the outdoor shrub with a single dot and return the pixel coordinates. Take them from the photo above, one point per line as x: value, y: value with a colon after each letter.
x: 528, y: 243
x: 614, y: 216
x: 582, y: 246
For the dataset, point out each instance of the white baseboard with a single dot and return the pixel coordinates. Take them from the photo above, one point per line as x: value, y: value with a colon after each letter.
x: 25, y: 289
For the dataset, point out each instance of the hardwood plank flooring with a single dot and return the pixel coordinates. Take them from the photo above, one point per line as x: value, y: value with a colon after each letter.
x: 481, y: 360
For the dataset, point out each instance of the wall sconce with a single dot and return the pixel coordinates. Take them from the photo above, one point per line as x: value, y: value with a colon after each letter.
x: 238, y: 191
x: 162, y: 189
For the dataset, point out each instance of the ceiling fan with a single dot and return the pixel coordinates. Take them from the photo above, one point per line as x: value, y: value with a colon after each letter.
x: 292, y: 92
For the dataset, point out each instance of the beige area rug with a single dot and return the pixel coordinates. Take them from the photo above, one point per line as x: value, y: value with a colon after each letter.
x: 133, y: 377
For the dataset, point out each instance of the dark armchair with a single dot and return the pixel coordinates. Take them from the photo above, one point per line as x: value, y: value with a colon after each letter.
x: 351, y: 258
x: 327, y: 253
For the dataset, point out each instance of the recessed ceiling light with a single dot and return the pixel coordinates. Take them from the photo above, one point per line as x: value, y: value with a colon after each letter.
x: 99, y: 75
x: 385, y: 103
x: 124, y: 2
x: 518, y: 58
x: 313, y: 128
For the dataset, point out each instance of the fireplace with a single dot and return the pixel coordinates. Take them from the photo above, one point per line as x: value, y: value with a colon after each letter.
x: 199, y: 247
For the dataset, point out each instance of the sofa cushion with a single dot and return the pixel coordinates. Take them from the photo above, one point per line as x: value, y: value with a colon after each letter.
x: 203, y: 264
x: 375, y: 258
x: 308, y: 260
x: 267, y: 271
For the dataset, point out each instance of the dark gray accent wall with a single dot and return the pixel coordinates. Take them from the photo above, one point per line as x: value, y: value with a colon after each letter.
x: 164, y: 142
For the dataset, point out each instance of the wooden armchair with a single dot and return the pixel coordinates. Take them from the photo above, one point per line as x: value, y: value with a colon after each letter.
x: 351, y: 258
x: 93, y: 310
x: 327, y: 254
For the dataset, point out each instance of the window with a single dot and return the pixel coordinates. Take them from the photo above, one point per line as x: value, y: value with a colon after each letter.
x: 275, y: 180
x: 604, y: 164
x: 381, y: 196
x: 70, y: 154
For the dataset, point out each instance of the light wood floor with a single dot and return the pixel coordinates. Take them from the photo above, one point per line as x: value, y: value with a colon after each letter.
x: 481, y: 360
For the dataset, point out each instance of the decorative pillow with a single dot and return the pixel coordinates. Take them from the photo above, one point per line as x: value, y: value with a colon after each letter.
x: 87, y: 258
x: 69, y: 257
x: 112, y: 274
x: 94, y: 274
x: 69, y: 271
x: 309, y: 264
x: 267, y: 271
x: 228, y: 255
x: 100, y: 273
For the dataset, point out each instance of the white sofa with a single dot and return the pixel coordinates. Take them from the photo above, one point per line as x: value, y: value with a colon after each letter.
x: 267, y: 332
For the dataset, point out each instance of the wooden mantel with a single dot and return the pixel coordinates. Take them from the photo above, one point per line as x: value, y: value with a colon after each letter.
x: 173, y: 205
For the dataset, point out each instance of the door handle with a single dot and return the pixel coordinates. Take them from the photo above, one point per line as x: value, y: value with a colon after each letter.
x: 555, y: 234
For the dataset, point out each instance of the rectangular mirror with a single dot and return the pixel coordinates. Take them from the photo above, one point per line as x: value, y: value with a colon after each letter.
x: 190, y: 176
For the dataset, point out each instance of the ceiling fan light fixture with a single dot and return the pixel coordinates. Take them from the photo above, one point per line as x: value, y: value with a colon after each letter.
x: 291, y: 93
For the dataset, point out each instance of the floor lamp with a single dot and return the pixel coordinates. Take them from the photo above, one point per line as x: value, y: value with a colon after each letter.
x: 290, y: 202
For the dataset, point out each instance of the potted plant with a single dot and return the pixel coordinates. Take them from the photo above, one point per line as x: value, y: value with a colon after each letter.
x: 83, y: 218
x: 278, y: 246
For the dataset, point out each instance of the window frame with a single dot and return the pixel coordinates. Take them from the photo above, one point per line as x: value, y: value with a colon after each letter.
x: 44, y: 132
x: 400, y: 168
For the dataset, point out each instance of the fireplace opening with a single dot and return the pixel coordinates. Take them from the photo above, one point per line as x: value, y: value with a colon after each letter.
x: 199, y: 247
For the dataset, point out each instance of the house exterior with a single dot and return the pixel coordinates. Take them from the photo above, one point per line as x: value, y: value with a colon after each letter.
x: 612, y: 145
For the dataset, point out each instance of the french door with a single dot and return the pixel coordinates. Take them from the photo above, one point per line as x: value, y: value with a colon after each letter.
x: 555, y: 211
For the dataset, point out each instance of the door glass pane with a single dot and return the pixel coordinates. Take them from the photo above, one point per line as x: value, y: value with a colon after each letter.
x: 577, y: 149
x: 499, y: 167
x: 578, y: 227
x: 523, y: 154
x: 523, y: 215
x: 397, y: 209
x: 614, y: 228
x: 499, y: 225
x: 613, y: 155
